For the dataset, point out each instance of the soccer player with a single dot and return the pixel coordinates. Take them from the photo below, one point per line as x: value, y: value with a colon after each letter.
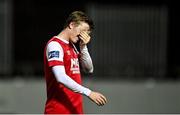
x: 62, y: 69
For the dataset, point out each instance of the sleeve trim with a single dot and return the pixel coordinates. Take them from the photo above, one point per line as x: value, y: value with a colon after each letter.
x: 55, y: 62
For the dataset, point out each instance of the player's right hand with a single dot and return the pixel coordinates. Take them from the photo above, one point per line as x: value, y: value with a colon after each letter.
x: 98, y: 98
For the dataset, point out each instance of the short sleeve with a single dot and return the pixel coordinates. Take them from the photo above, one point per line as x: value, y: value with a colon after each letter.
x: 54, y: 54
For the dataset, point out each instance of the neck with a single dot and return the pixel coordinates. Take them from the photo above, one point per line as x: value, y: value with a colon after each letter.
x: 64, y: 34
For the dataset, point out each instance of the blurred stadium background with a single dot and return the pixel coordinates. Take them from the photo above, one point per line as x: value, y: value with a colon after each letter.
x: 134, y: 47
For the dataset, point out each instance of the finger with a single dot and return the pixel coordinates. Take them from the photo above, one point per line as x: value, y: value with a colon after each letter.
x: 102, y: 101
x: 104, y: 98
x: 85, y: 35
x: 97, y: 102
x: 84, y: 39
x: 81, y: 38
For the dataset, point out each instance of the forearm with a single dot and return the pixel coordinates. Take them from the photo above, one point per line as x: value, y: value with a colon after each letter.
x: 85, y: 59
x: 61, y: 77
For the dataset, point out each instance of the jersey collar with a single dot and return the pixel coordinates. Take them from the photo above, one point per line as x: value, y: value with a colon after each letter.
x: 63, y: 40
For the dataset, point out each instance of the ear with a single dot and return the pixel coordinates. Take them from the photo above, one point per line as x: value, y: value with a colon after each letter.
x: 71, y: 25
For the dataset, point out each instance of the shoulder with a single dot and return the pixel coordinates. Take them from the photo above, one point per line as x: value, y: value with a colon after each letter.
x: 53, y: 44
x: 55, y: 49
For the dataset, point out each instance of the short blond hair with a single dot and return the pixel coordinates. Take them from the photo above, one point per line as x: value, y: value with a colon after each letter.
x: 77, y: 17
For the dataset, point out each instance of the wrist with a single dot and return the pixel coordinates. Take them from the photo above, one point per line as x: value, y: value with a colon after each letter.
x: 83, y: 47
x: 87, y: 92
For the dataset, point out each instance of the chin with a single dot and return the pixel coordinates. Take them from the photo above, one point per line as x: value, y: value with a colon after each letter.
x: 74, y: 41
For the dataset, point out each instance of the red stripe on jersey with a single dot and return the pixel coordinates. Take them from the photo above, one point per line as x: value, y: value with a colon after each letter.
x: 55, y: 62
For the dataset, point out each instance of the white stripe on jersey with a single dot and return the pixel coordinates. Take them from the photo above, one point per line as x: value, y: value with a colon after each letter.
x: 54, y: 46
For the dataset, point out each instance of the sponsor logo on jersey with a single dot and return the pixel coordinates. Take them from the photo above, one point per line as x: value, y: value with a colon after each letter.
x: 53, y: 54
x: 75, y: 66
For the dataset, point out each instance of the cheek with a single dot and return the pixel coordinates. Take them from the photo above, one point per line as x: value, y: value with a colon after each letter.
x: 74, y: 32
x: 77, y: 30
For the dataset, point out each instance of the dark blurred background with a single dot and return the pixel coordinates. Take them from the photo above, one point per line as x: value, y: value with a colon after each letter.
x: 132, y: 40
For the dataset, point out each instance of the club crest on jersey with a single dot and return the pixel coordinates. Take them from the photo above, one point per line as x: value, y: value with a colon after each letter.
x: 53, y: 54
x: 68, y: 52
